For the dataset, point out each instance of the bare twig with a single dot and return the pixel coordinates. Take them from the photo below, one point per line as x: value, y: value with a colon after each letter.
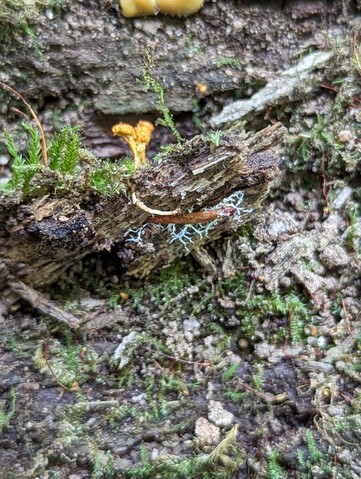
x: 144, y: 207
x: 46, y: 359
x: 347, y: 318
x: 19, y: 112
x: 184, y: 361
x: 324, y: 183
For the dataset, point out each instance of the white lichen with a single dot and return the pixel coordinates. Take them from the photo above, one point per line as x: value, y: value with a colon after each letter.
x: 188, y: 234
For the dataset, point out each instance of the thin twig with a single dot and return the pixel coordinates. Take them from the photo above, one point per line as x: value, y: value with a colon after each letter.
x: 19, y: 112
x: 347, y: 317
x: 75, y: 386
x: 183, y: 361
x: 324, y: 182
x: 36, y: 119
x: 44, y: 305
x: 268, y: 397
x: 144, y: 207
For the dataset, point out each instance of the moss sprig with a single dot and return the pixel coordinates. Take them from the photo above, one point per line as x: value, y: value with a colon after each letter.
x: 151, y: 83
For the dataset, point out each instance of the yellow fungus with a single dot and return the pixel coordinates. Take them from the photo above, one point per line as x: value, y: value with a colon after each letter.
x: 201, y: 88
x: 123, y: 296
x: 179, y: 7
x: 137, y: 138
x: 143, y: 131
x: 138, y: 8
x: 122, y: 129
x: 143, y: 8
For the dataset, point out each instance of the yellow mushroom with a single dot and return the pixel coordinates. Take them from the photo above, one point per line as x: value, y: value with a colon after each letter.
x: 137, y: 138
x: 180, y: 8
x: 138, y: 8
x: 143, y: 8
x: 127, y: 132
x: 143, y: 131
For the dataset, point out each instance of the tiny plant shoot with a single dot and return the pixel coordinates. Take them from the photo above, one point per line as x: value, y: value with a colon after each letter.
x: 151, y: 83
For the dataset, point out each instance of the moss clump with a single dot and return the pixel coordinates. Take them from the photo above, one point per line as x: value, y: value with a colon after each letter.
x: 71, y: 167
x: 221, y: 463
x: 5, y: 417
x: 24, y: 167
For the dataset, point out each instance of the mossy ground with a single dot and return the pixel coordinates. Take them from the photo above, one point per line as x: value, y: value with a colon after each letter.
x: 196, y: 337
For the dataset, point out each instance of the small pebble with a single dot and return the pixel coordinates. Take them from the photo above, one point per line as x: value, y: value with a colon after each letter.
x: 218, y: 415
x: 206, y: 432
x: 344, y: 136
x: 154, y: 454
x: 322, y: 342
x: 243, y: 343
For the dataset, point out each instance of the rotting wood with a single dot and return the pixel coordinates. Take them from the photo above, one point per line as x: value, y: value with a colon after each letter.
x: 39, y: 243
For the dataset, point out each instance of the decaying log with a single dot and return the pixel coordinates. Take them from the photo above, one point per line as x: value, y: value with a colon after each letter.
x: 41, y: 237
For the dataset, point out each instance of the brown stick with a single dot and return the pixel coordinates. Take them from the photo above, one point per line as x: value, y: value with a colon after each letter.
x: 195, y: 217
x: 46, y: 359
x: 44, y: 305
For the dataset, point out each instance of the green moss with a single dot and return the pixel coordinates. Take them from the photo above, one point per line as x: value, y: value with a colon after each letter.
x: 102, y: 462
x: 315, y: 460
x: 230, y: 372
x: 166, y: 284
x: 151, y: 83
x: 274, y: 470
x: 34, y: 43
x: 118, y: 414
x: 5, y: 416
x: 230, y: 62
x: 353, y: 231
x: 71, y: 167
x: 64, y: 150
x: 24, y: 167
x: 257, y: 376
x: 221, y: 463
x: 319, y: 147
x: 254, y: 308
x: 71, y: 363
x: 108, y: 178
x: 163, y: 153
x: 214, y: 137
x: 192, y: 48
